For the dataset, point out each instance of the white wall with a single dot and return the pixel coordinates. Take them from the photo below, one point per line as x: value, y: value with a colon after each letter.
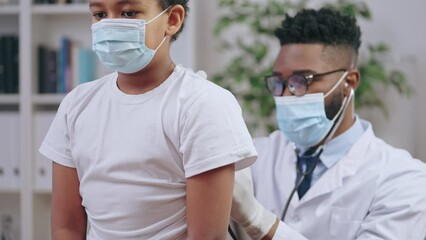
x: 400, y: 24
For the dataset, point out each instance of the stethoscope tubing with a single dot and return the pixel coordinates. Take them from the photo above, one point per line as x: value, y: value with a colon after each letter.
x: 302, y: 177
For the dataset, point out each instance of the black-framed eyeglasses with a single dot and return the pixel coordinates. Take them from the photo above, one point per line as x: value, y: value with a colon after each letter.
x: 297, y: 83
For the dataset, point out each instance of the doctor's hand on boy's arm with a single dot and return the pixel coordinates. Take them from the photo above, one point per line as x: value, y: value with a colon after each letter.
x: 208, y: 199
x: 247, y: 211
x: 257, y: 221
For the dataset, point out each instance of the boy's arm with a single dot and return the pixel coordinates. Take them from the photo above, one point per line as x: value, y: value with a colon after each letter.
x: 69, y: 218
x: 209, y: 198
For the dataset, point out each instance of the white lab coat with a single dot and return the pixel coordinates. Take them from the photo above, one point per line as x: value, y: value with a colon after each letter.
x: 375, y: 192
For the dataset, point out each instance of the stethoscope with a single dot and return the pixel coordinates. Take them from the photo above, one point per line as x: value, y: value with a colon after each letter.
x: 303, y: 173
x: 317, y: 154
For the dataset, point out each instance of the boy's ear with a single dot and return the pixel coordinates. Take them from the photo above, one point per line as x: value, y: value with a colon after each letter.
x: 176, y: 16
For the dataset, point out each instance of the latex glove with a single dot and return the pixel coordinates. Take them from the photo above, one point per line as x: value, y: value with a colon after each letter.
x: 246, y: 210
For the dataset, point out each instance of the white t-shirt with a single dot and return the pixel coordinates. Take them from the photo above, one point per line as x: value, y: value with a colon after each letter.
x: 133, y: 153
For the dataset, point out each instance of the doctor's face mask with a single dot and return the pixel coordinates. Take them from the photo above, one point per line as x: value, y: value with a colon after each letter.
x: 303, y: 119
x: 120, y: 43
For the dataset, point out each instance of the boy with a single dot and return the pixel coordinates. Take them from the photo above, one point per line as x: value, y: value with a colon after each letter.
x: 148, y: 152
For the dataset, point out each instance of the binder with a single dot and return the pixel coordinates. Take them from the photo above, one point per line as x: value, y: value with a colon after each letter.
x: 43, y: 165
x: 9, y: 226
x: 10, y: 151
x: 47, y: 70
x: 2, y: 66
x: 10, y: 62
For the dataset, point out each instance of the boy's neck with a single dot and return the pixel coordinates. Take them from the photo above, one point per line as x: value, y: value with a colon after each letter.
x: 147, y: 79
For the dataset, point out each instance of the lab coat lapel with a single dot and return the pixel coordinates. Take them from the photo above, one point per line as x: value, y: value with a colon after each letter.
x: 348, y: 166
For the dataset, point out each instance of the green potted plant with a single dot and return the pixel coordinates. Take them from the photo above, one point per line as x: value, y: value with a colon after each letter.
x: 252, y: 57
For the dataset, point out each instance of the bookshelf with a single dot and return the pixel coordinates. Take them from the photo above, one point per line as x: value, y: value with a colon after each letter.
x: 27, y: 114
x: 9, y: 10
x: 9, y: 99
x: 67, y: 9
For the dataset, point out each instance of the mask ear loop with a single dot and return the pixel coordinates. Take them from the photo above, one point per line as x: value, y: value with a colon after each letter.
x: 337, y: 84
x: 165, y: 37
x: 165, y: 10
x: 345, y: 104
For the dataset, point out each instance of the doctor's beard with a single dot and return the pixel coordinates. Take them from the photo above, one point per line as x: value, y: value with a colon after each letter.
x: 335, y: 103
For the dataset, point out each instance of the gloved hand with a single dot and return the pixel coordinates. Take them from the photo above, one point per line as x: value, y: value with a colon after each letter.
x: 246, y: 210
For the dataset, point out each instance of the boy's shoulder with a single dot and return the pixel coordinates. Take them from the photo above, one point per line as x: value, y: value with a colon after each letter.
x: 95, y: 84
x: 88, y: 89
x: 197, y: 83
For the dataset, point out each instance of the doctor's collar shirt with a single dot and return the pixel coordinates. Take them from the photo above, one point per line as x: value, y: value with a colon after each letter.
x: 335, y: 149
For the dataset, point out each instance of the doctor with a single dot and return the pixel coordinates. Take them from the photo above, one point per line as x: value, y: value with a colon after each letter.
x: 325, y: 175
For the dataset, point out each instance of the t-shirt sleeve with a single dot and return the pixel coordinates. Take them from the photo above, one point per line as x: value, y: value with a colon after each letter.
x: 56, y: 144
x: 213, y: 134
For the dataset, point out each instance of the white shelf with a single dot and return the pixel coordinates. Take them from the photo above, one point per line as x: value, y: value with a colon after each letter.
x: 60, y: 9
x: 9, y: 9
x: 48, y: 99
x: 9, y: 191
x: 9, y: 99
x: 43, y: 191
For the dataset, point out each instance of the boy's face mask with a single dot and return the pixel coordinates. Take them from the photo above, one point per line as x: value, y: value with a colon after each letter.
x: 303, y: 119
x: 120, y: 43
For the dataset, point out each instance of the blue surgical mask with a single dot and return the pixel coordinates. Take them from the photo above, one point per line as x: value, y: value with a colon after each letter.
x: 120, y: 43
x: 303, y: 119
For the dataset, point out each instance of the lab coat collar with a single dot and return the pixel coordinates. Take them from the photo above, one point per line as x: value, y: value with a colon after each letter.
x: 345, y: 167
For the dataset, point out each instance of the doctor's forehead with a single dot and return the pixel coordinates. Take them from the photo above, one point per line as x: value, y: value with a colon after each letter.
x: 139, y: 3
x: 294, y: 58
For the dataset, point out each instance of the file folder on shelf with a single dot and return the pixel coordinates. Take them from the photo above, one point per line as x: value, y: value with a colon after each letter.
x: 43, y: 166
x: 10, y: 151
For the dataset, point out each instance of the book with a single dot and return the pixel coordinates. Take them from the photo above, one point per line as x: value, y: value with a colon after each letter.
x: 86, y: 65
x: 41, y: 56
x: 15, y: 65
x: 51, y: 80
x: 10, y: 63
x: 47, y: 70
x: 83, y: 64
x: 2, y: 67
x: 65, y: 68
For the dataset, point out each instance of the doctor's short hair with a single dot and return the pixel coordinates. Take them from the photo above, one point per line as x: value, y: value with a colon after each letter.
x: 323, y: 26
x: 184, y: 3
